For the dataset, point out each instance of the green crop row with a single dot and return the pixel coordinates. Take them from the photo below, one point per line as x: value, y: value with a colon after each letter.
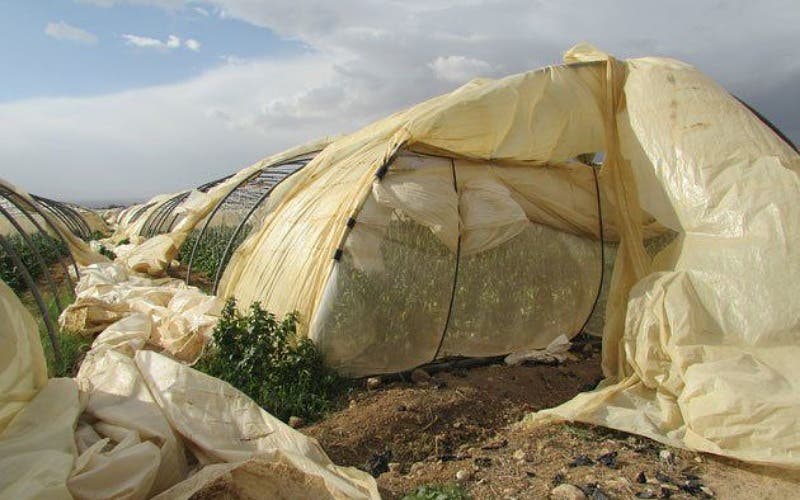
x: 51, y: 250
x: 73, y: 346
x: 400, y: 296
x: 210, y: 248
x: 262, y: 357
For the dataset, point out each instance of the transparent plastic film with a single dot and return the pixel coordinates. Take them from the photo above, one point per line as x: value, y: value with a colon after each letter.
x: 520, y: 284
x: 386, y: 303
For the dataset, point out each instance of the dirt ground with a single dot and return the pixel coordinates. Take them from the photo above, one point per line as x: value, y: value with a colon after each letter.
x: 198, y: 279
x: 463, y: 423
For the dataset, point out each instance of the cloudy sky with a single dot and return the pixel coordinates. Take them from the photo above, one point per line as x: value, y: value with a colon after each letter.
x: 123, y: 99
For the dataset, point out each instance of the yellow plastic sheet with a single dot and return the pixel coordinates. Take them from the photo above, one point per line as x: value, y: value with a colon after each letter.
x: 698, y: 340
x: 680, y: 153
x: 706, y: 358
x: 37, y: 415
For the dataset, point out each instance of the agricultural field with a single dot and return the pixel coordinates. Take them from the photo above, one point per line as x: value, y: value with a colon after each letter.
x: 397, y: 293
x: 54, y: 254
x: 261, y: 355
x: 49, y: 248
x: 210, y: 250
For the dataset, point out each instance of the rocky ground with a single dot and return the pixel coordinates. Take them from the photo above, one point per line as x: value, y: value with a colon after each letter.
x: 460, y: 427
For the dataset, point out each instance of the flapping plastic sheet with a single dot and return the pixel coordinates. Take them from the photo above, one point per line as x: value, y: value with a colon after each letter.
x: 132, y: 420
x: 37, y: 415
x: 176, y: 318
x: 706, y: 357
x: 698, y: 342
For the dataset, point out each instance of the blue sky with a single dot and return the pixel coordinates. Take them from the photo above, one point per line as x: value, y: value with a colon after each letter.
x: 41, y: 65
x: 109, y: 99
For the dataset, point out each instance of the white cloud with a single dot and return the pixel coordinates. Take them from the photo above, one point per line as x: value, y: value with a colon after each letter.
x: 459, y: 69
x: 64, y: 31
x: 166, y: 4
x: 172, y: 42
x: 203, y: 12
x: 143, y: 41
x: 366, y: 59
x: 233, y: 59
x: 192, y: 44
x: 138, y: 143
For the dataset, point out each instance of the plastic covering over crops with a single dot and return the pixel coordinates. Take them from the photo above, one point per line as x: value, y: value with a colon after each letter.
x: 479, y: 223
x: 470, y: 225
x: 403, y: 295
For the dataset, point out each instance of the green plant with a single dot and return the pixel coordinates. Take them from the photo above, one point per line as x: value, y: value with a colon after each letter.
x: 106, y: 252
x: 210, y: 248
x: 96, y: 235
x: 73, y: 347
x: 124, y: 241
x: 438, y: 492
x: 394, y: 304
x: 264, y: 358
x: 51, y: 250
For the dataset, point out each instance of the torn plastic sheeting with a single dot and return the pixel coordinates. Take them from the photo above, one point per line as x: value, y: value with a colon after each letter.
x: 127, y: 471
x: 128, y: 447
x: 152, y: 256
x: 274, y: 474
x: 219, y: 423
x: 556, y: 352
x: 704, y: 338
x: 37, y: 447
x: 120, y: 408
x: 130, y: 450
x: 181, y: 317
x: 127, y: 335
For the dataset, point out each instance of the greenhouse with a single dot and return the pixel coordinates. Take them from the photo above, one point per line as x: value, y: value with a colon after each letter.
x: 36, y: 259
x: 163, y: 217
x: 636, y: 201
x: 484, y: 222
x: 234, y: 216
x: 627, y: 199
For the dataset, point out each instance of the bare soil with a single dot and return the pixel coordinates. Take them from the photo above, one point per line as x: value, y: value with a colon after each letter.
x: 198, y: 279
x: 467, y: 421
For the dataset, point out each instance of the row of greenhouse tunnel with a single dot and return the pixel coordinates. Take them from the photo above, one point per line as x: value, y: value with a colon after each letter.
x: 37, y: 263
x: 453, y: 294
x: 458, y: 296
x: 35, y: 257
x: 492, y: 225
x: 212, y: 241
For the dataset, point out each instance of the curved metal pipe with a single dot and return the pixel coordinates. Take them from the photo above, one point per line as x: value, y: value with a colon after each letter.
x: 55, y: 247
x: 36, y: 255
x: 28, y: 279
x: 8, y: 194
